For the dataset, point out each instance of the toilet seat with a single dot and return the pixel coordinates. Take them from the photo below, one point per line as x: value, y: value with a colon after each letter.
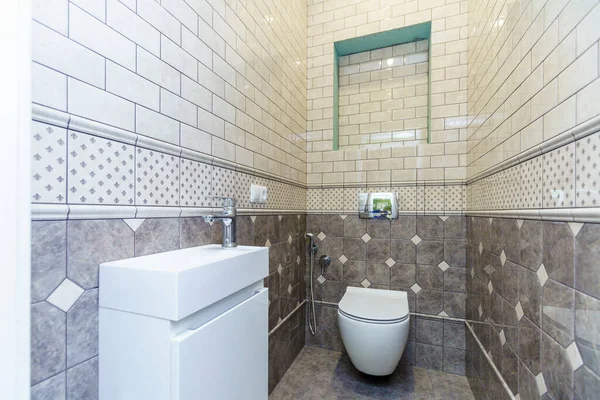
x: 374, y: 305
x: 371, y: 321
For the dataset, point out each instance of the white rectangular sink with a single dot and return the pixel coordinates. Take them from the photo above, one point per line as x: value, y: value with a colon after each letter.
x: 175, y: 284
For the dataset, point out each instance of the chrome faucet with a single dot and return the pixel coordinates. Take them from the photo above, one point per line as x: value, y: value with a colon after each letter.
x: 227, y: 216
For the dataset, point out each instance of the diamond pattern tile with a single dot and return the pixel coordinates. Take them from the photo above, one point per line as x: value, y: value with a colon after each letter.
x: 502, y: 337
x: 490, y: 287
x: 415, y: 288
x: 196, y: 182
x: 390, y: 262
x: 559, y: 177
x: 321, y: 236
x: 365, y: 283
x: 321, y: 279
x: 65, y: 295
x: 575, y: 227
x: 480, y: 311
x: 101, y: 171
x: 443, y: 314
x: 134, y: 223
x: 503, y: 258
x: 587, y: 153
x: 480, y: 248
x: 366, y: 237
x: 279, y: 269
x: 443, y: 265
x: 489, y: 269
x: 157, y: 178
x: 49, y: 163
x: 416, y: 239
x: 289, y: 289
x: 343, y: 259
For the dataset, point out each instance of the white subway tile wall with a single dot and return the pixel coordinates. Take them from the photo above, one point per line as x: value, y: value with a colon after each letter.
x: 383, y: 97
x: 334, y: 20
x: 180, y: 71
x: 533, y: 71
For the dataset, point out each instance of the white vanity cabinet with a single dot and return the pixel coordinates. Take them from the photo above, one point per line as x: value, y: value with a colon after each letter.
x: 187, y: 324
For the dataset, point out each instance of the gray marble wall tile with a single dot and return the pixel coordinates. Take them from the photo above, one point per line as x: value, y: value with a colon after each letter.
x: 587, y: 323
x: 194, y: 231
x: 455, y: 252
x: 82, y: 380
x: 48, y: 257
x: 587, y: 384
x: 354, y: 271
x: 430, y: 331
x: 405, y: 227
x: 157, y: 235
x: 378, y: 249
x: 530, y: 244
x: 403, y: 251
x: 354, y: 226
x: 430, y: 302
x: 558, y: 312
x: 586, y: 256
x: 559, y: 252
x: 379, y: 229
x: 92, y: 242
x: 378, y: 273
x: 455, y: 334
x: 430, y: 252
x: 403, y: 275
x: 455, y: 361
x: 430, y: 277
x: 51, y: 389
x: 430, y: 227
x: 556, y: 369
x: 82, y: 329
x: 355, y: 249
x: 430, y: 357
x: 48, y: 341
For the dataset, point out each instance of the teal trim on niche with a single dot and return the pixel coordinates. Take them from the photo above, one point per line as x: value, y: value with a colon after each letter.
x: 379, y: 40
x: 375, y: 41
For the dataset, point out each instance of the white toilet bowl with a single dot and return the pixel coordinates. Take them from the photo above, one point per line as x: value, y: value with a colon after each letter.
x: 374, y: 326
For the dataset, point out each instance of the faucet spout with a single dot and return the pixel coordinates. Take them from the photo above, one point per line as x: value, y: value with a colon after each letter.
x: 227, y: 216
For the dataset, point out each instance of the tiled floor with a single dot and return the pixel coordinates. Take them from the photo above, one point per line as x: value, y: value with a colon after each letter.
x: 319, y: 374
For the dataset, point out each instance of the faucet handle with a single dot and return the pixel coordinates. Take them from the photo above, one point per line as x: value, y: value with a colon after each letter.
x: 227, y: 201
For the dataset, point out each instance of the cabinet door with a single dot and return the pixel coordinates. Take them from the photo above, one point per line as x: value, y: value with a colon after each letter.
x: 226, y: 358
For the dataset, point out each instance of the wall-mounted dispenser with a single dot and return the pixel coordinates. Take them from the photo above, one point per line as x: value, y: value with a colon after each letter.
x: 378, y: 205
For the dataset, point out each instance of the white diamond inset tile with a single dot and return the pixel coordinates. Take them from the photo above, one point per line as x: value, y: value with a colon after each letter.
x: 343, y: 259
x: 289, y: 289
x: 443, y: 265
x: 480, y: 248
x: 472, y: 272
x: 542, y: 275
x: 101, y: 171
x: 520, y: 223
x: 268, y: 243
x: 519, y: 311
x: 321, y: 279
x: 490, y: 287
x: 416, y: 239
x: 587, y: 187
x: 502, y: 258
x: 366, y: 237
x: 574, y: 356
x: 134, y: 223
x: 279, y: 269
x: 365, y: 283
x: 502, y: 337
x: 321, y: 236
x: 480, y: 311
x: 416, y: 288
x: 489, y: 269
x: 540, y: 383
x: 49, y: 163
x: 443, y: 314
x: 289, y: 239
x: 298, y: 260
x: 575, y: 227
x: 157, y: 178
x: 65, y: 295
x: 196, y: 182
x: 390, y: 262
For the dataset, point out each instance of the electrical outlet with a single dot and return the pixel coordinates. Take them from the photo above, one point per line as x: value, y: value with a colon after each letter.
x: 258, y: 194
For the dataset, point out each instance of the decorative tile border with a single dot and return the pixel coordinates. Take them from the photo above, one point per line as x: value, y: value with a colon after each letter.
x: 566, y: 177
x: 105, y: 174
x: 577, y: 133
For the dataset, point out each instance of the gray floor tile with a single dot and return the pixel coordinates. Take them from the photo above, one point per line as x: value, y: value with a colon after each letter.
x: 319, y: 374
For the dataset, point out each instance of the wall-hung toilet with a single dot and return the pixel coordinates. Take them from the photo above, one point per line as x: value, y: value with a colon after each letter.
x: 374, y: 326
